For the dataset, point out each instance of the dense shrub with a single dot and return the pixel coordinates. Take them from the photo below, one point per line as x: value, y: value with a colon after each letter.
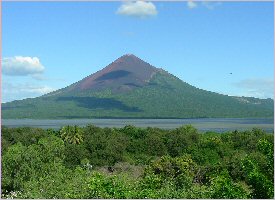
x: 130, y: 162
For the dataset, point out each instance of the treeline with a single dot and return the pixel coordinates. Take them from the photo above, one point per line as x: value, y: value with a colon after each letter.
x: 131, y: 162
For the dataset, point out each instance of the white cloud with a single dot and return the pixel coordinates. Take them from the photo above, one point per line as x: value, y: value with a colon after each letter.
x: 191, y: 4
x: 38, y: 89
x: 140, y: 9
x: 207, y: 4
x: 21, y: 66
x: 256, y: 87
x: 211, y: 5
x: 12, y: 91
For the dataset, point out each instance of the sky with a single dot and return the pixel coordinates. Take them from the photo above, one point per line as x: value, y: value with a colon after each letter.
x: 224, y: 47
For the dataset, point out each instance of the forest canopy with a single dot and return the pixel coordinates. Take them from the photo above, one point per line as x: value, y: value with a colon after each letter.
x: 130, y: 162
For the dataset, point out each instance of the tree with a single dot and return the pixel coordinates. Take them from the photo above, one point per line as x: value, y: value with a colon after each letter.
x: 72, y: 134
x: 267, y: 148
x: 74, y: 154
x: 263, y: 187
x: 22, y: 163
x: 180, y: 170
x: 222, y: 187
x: 180, y: 139
x: 154, y: 144
x: 12, y: 161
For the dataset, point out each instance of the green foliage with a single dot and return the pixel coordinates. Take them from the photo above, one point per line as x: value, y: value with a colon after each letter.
x: 133, y: 132
x: 4, y: 145
x: 106, y: 146
x: 11, y: 167
x: 222, y: 187
x: 135, y: 163
x: 164, y: 90
x: 180, y: 170
x: 263, y: 187
x: 267, y: 148
x: 107, y: 187
x: 24, y: 135
x: 74, y: 154
x: 246, y: 140
x: 154, y: 144
x: 180, y: 139
x: 72, y: 134
x: 60, y: 183
x: 22, y: 163
x: 233, y: 165
x: 52, y: 148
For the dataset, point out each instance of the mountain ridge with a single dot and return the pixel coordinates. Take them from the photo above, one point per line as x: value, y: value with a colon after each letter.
x: 132, y: 88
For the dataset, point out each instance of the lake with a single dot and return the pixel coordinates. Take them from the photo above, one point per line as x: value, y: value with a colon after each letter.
x: 203, y: 124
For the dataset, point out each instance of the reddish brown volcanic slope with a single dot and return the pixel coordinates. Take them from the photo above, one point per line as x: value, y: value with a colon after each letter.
x: 125, y: 73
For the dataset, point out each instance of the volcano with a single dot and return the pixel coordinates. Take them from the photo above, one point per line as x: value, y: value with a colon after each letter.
x: 132, y: 88
x: 124, y: 74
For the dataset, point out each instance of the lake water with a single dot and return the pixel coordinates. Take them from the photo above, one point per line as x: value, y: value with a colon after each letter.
x: 205, y: 124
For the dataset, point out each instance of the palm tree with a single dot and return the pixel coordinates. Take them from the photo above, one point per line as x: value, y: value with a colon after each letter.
x: 72, y: 134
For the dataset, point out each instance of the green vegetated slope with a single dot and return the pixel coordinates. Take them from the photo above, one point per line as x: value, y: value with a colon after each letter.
x: 131, y: 162
x: 168, y: 96
x: 165, y: 96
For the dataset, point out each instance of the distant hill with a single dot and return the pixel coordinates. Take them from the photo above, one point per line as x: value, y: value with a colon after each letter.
x: 131, y: 88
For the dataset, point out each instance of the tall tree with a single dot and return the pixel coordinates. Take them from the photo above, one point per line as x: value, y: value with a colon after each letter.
x: 72, y: 134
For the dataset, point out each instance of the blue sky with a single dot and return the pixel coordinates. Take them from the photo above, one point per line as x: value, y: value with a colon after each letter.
x: 49, y: 45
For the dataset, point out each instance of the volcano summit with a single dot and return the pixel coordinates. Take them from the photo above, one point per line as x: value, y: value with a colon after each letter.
x: 125, y: 73
x: 132, y: 88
